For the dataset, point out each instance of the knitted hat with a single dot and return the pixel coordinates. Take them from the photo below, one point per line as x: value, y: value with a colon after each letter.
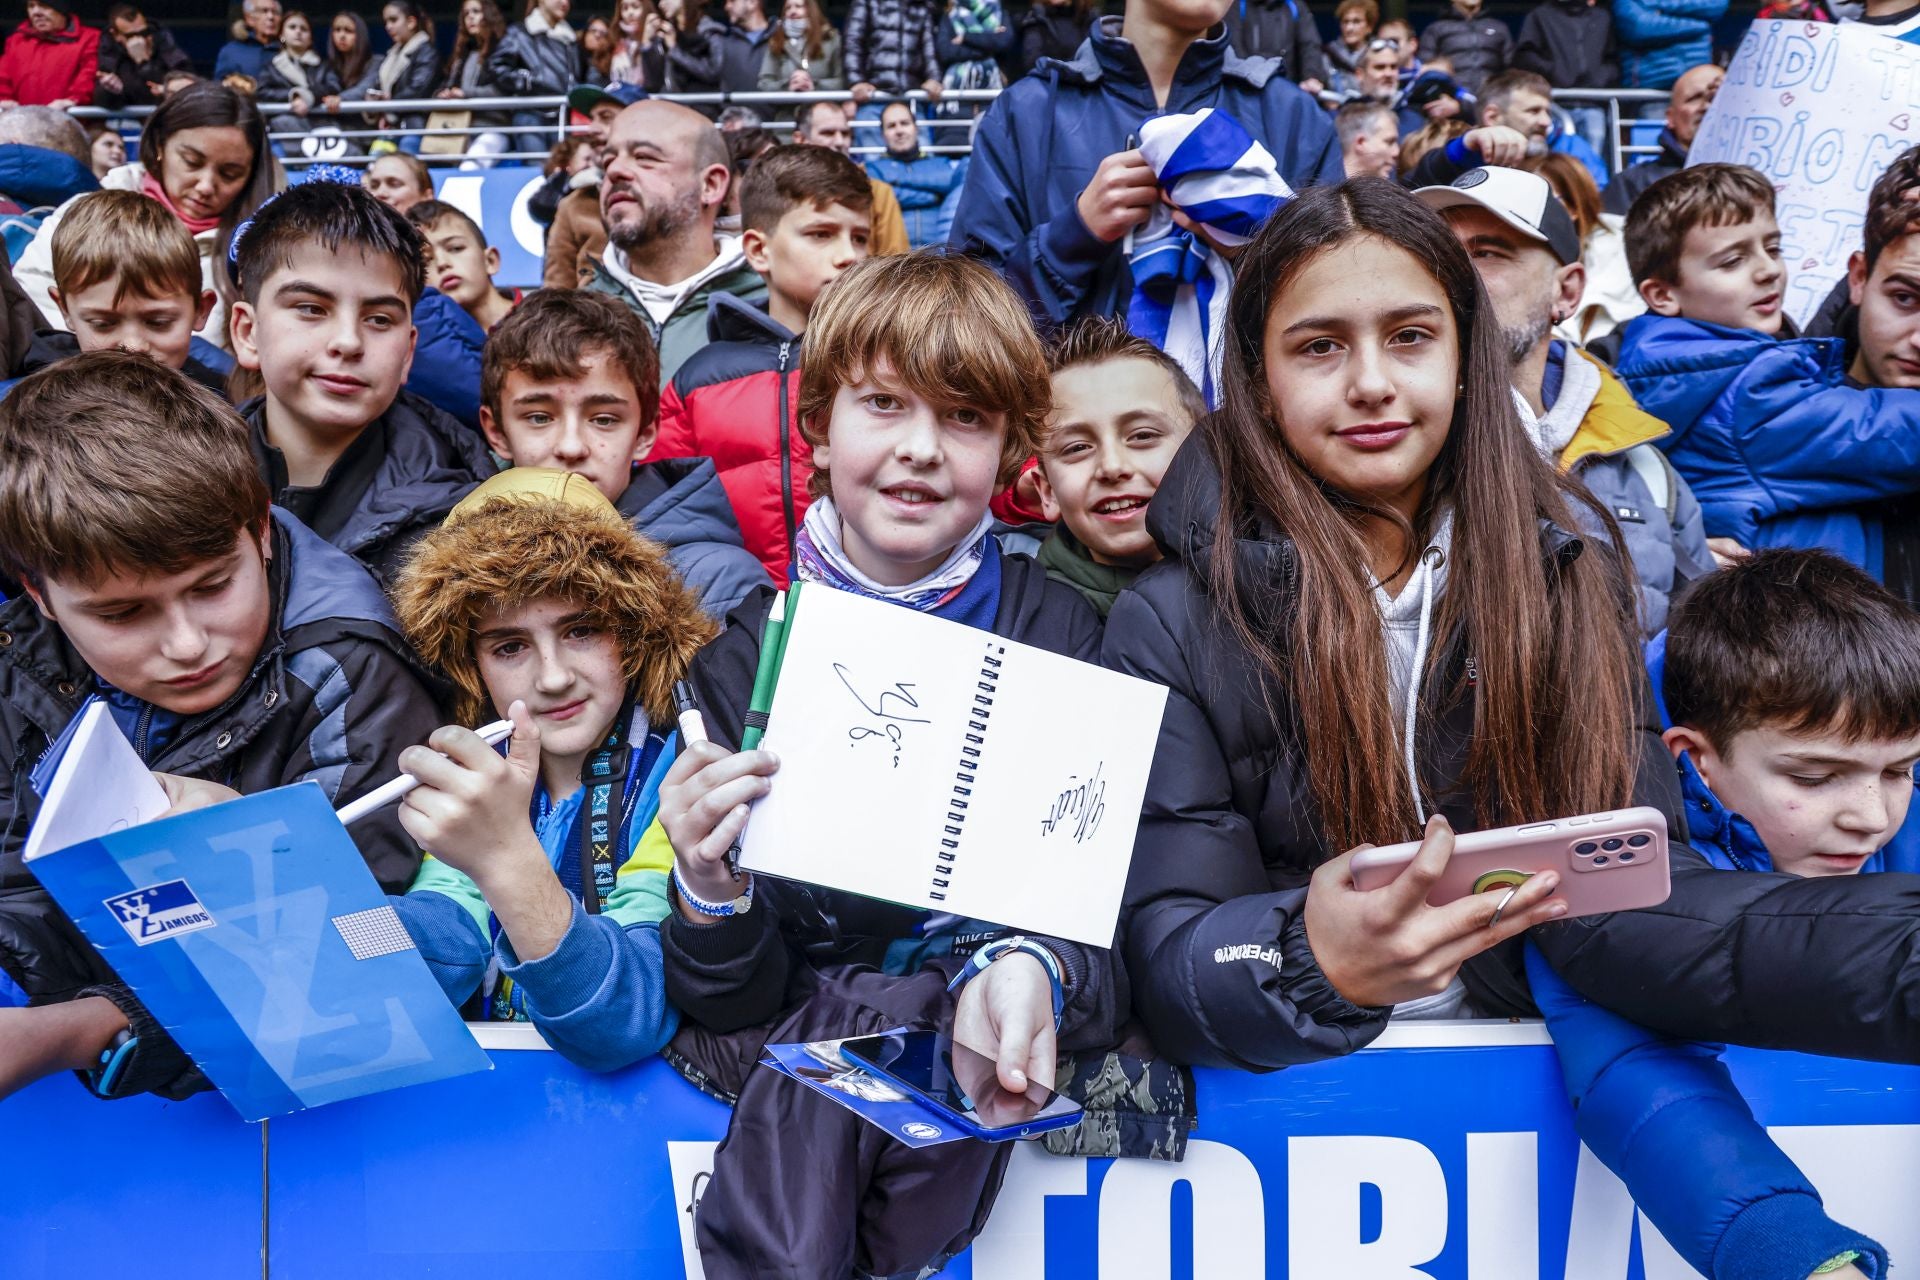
x: 533, y: 533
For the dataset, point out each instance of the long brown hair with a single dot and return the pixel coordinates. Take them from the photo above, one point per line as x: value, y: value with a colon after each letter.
x: 1553, y: 642
x: 493, y: 27
x: 817, y: 29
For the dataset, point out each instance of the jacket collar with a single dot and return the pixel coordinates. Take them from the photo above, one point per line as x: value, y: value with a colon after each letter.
x: 1107, y: 55
x: 731, y: 318
x: 1613, y: 423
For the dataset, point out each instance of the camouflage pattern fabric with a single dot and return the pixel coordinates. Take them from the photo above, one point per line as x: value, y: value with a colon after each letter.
x: 1136, y: 1108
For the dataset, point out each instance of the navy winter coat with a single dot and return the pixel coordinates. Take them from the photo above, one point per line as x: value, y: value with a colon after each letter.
x: 1036, y: 149
x: 1282, y: 29
x: 1780, y: 449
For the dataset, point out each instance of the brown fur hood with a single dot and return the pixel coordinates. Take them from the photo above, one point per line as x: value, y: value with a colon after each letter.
x: 513, y: 550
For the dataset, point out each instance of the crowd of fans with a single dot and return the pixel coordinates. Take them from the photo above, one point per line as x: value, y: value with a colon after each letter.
x: 1445, y: 478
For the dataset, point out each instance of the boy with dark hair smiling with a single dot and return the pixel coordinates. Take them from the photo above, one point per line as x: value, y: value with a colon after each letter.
x: 1121, y: 409
x: 328, y: 278
x: 230, y: 644
x: 1782, y: 441
x: 571, y: 381
x: 806, y: 214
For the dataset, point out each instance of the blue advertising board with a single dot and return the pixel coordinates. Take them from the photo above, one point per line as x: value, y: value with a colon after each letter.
x: 497, y: 199
x: 1443, y: 1153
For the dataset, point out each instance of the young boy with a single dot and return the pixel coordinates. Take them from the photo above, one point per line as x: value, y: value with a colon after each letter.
x: 1782, y: 443
x: 328, y: 277
x: 918, y: 401
x: 1121, y: 408
x: 460, y: 262
x: 571, y: 381
x: 1791, y: 688
x: 126, y: 276
x: 806, y: 216
x: 540, y: 603
x: 231, y: 645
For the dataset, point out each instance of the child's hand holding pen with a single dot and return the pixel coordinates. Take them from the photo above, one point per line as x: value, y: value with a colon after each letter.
x: 703, y: 809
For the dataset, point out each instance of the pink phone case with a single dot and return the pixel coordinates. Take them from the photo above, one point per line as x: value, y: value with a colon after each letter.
x: 1607, y: 861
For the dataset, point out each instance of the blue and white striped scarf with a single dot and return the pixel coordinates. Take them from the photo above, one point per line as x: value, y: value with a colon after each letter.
x: 1217, y: 175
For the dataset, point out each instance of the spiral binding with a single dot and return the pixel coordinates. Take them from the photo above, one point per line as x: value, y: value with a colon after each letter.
x: 971, y: 759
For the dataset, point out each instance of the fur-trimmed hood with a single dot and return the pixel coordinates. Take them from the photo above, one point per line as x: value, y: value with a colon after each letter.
x: 513, y: 550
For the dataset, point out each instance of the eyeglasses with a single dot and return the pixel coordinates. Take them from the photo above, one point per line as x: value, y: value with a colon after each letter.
x: 1378, y: 43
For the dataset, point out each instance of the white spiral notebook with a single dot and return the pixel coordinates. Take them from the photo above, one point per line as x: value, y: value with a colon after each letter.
x: 939, y: 766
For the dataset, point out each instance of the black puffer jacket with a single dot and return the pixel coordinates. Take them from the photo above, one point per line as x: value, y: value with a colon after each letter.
x: 1049, y: 31
x: 1282, y: 29
x: 532, y: 64
x: 1480, y: 46
x: 334, y: 696
x: 1570, y: 42
x: 1214, y: 934
x: 890, y: 44
x: 740, y: 971
x: 278, y: 85
x: 431, y: 461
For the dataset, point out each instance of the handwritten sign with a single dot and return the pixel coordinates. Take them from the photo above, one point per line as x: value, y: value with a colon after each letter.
x: 1821, y: 110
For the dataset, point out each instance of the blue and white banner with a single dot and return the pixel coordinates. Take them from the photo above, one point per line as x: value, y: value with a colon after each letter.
x: 1447, y: 1153
x: 497, y: 199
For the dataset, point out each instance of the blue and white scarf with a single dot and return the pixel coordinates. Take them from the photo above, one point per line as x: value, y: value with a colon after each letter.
x: 1217, y: 175
x: 819, y: 557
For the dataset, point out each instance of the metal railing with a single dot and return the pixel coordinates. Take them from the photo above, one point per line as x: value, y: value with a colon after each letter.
x: 288, y: 141
x: 1619, y: 104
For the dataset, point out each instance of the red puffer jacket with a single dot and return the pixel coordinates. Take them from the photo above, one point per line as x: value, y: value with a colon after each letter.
x: 728, y: 402
x: 36, y: 70
x: 736, y: 401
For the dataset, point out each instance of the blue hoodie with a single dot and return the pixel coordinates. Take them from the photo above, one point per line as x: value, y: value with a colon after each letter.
x: 1778, y: 446
x: 1037, y: 147
x: 1649, y: 1106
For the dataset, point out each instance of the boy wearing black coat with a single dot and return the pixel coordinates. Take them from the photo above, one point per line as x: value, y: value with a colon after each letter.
x: 917, y: 400
x: 329, y: 277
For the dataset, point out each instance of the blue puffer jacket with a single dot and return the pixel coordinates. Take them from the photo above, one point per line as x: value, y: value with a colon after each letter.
x: 929, y: 189
x: 1038, y: 146
x: 681, y: 504
x: 1649, y: 1105
x: 1660, y: 39
x: 446, y: 357
x: 42, y: 178
x: 1779, y: 447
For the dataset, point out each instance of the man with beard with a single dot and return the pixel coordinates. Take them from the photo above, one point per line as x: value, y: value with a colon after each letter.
x: 1524, y: 245
x: 665, y: 181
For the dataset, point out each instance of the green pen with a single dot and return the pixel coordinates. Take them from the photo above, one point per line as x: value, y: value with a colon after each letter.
x: 767, y: 674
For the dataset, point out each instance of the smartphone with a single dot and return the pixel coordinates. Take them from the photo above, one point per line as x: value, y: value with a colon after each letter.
x: 961, y: 1084
x: 1613, y: 861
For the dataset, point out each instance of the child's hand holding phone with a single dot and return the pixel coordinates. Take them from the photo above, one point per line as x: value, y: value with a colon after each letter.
x: 703, y: 809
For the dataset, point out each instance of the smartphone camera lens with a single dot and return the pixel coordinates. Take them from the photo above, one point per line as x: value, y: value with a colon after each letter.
x: 1627, y: 856
x: 1600, y: 861
x: 1585, y: 847
x: 1639, y: 842
x: 1610, y: 845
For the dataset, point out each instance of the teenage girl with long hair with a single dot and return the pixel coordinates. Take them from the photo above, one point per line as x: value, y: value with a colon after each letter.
x: 1378, y: 624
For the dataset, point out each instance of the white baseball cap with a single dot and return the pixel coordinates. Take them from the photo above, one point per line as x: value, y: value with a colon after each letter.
x: 1522, y: 200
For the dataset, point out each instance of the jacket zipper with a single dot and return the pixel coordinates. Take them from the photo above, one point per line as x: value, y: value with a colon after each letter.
x: 786, y: 453
x: 140, y: 727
